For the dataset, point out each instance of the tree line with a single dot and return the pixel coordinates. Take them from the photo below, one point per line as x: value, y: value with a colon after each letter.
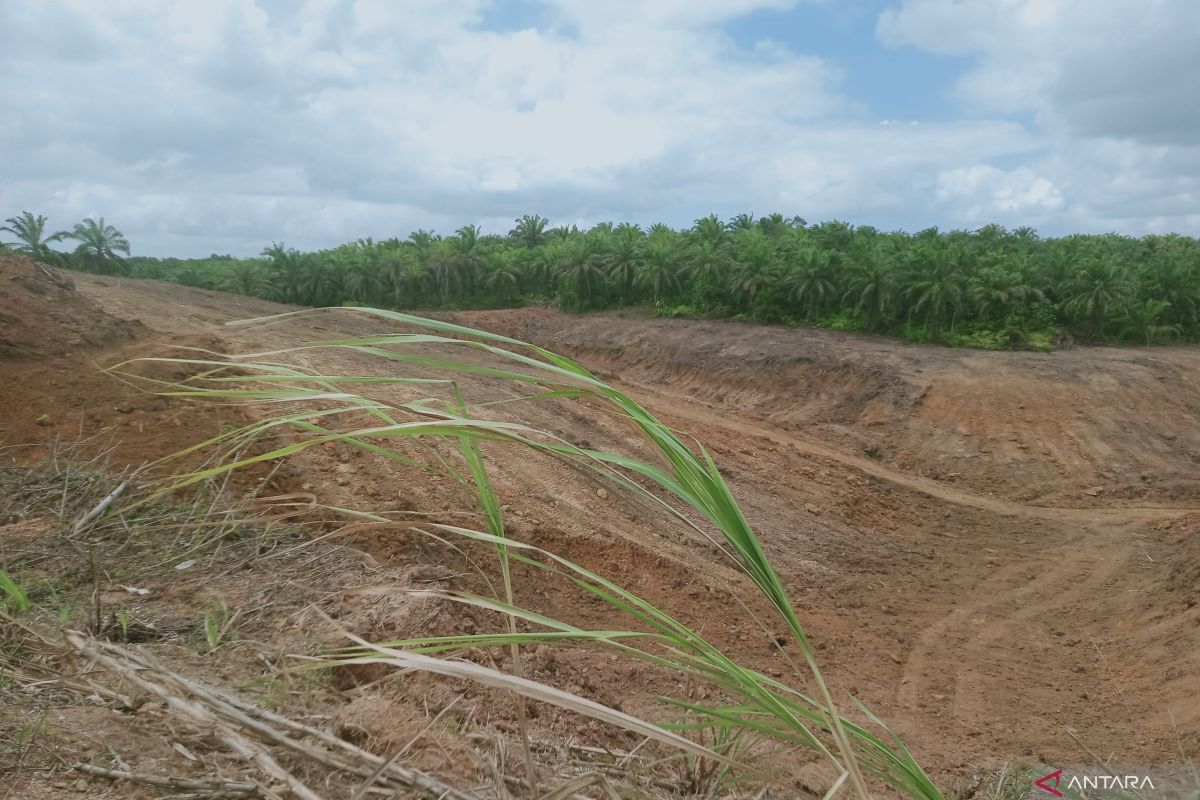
x: 99, y: 247
x: 991, y: 287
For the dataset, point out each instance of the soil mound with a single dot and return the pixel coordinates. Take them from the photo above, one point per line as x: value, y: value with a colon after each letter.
x: 41, y: 314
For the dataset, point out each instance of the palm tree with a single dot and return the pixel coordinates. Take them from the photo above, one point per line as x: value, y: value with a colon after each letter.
x: 706, y: 260
x: 580, y: 263
x: 1174, y: 277
x: 741, y: 222
x: 32, y: 239
x: 363, y: 276
x: 809, y: 282
x: 422, y: 242
x: 503, y: 273
x: 755, y: 265
x: 289, y: 273
x: 1099, y: 289
x: 245, y: 276
x: 935, y: 285
x: 710, y: 230
x: 1142, y: 321
x: 530, y: 230
x: 443, y: 265
x: 98, y: 247
x: 541, y: 268
x: 625, y: 258
x: 991, y: 235
x: 467, y: 254
x: 999, y: 290
x: 833, y: 235
x: 660, y: 269
x: 327, y: 281
x: 192, y: 275
x: 871, y: 285
x: 402, y: 274
x: 1025, y: 234
x: 773, y: 224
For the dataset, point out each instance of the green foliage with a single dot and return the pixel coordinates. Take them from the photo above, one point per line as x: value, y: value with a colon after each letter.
x: 217, y: 626
x: 32, y: 239
x: 842, y: 320
x: 99, y: 247
x: 14, y: 596
x: 682, y: 481
x: 991, y: 287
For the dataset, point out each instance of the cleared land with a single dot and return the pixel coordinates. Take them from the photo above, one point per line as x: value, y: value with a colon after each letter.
x: 994, y: 551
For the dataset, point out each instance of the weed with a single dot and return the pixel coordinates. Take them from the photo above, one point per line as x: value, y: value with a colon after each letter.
x: 1012, y: 782
x: 15, y: 599
x: 218, y: 625
x: 59, y: 605
x: 683, y: 483
x: 123, y: 622
x: 25, y: 738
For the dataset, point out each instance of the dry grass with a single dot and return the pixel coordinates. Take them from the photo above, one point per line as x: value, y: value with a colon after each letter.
x: 138, y: 674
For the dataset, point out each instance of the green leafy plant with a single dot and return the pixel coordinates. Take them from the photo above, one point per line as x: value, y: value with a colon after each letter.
x: 218, y: 625
x: 123, y: 622
x: 15, y: 599
x: 683, y: 481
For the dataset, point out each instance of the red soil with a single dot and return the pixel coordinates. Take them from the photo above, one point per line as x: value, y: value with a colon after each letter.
x: 990, y: 549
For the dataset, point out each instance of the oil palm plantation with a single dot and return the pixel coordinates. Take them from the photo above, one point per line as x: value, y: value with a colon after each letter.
x: 987, y: 285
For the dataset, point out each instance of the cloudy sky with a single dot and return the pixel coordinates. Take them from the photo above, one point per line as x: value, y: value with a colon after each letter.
x: 203, y: 126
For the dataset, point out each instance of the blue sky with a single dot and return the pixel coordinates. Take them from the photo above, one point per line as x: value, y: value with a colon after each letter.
x: 900, y: 83
x: 224, y: 125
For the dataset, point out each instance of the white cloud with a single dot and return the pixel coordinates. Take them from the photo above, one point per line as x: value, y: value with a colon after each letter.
x: 225, y: 125
x: 986, y: 194
x: 1111, y: 85
x: 1098, y: 67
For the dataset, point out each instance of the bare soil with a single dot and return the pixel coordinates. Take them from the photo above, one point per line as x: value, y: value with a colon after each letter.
x: 41, y: 314
x: 999, y: 553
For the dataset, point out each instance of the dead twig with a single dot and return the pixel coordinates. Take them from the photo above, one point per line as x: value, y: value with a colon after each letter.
x: 245, y: 728
x: 99, y: 508
x: 229, y: 787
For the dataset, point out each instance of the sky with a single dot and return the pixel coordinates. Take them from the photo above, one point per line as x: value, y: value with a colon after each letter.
x: 221, y: 126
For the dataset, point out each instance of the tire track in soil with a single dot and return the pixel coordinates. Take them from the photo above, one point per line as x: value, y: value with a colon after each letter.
x: 995, y: 599
x: 1003, y: 601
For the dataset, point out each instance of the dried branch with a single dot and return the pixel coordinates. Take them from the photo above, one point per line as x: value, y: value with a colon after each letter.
x: 245, y: 728
x: 242, y: 787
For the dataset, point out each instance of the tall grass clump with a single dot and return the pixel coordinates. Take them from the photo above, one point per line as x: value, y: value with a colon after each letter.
x: 682, y: 481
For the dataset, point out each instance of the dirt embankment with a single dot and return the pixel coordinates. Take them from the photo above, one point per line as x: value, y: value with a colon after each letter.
x: 987, y: 547
x: 1082, y: 427
x: 42, y: 315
